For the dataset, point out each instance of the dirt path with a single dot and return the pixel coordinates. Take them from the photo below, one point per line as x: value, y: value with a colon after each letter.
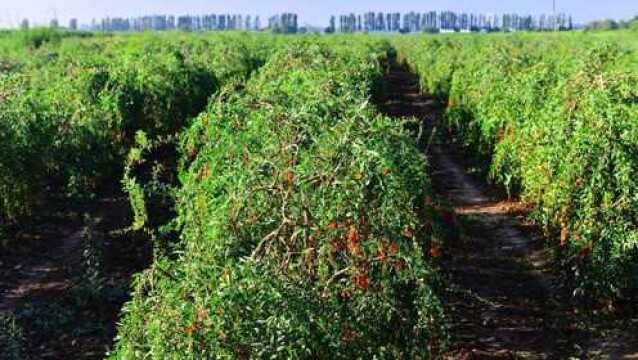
x: 504, y: 301
x: 48, y: 250
x: 42, y: 274
x: 44, y: 285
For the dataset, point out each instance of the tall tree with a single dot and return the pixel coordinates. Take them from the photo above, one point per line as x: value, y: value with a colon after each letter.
x: 380, y: 25
x: 257, y: 23
x: 333, y: 25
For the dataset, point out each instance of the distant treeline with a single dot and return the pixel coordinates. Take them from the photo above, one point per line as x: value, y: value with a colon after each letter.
x: 446, y: 21
x: 281, y: 23
x: 610, y: 24
x: 288, y: 23
x: 209, y: 22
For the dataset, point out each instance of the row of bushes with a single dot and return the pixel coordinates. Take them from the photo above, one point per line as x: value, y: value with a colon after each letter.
x: 556, y: 119
x: 70, y: 110
x: 301, y: 219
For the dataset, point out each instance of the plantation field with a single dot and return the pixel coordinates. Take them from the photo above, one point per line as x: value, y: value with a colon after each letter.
x: 311, y: 196
x: 71, y: 108
x: 554, y: 119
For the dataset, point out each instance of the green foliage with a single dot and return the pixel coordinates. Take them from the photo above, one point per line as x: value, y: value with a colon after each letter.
x: 130, y: 183
x: 90, y: 280
x: 610, y: 24
x: 69, y: 110
x: 35, y: 38
x: 301, y: 224
x: 603, y: 25
x: 556, y: 118
x: 12, y: 339
x: 4, y: 239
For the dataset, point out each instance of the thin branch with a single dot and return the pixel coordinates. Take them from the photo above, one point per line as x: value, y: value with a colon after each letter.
x: 427, y: 148
x: 266, y: 239
x: 337, y: 274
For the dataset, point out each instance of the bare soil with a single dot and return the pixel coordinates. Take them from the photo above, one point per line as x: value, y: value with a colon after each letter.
x: 42, y: 285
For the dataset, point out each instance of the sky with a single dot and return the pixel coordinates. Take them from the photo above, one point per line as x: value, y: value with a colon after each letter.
x: 313, y: 12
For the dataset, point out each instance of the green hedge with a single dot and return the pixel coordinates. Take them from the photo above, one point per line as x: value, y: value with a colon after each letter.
x: 70, y: 111
x: 556, y: 118
x: 302, y: 224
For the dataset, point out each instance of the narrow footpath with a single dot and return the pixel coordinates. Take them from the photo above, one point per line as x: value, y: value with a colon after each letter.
x: 47, y: 289
x: 502, y: 300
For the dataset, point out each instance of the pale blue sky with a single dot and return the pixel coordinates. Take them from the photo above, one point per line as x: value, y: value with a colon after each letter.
x: 316, y: 12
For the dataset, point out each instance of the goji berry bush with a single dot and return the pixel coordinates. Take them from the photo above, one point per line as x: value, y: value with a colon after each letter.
x: 554, y: 119
x: 303, y: 227
x: 70, y: 104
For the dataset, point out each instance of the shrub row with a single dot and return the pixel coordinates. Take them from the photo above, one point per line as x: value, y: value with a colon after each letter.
x: 70, y: 110
x: 302, y: 224
x: 556, y: 119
